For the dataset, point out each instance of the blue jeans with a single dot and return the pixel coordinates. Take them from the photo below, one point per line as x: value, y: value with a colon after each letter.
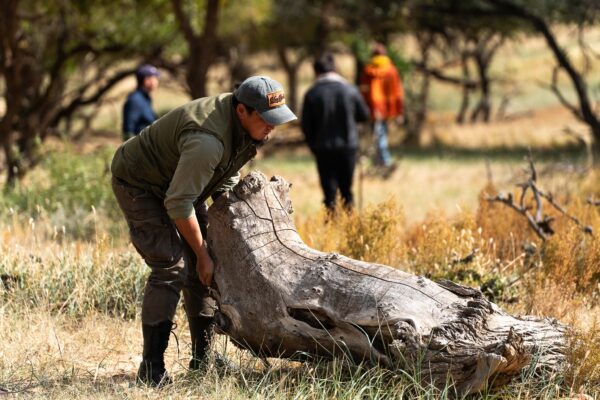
x: 383, y: 156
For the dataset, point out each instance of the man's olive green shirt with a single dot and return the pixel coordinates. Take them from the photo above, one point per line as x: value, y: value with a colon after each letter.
x: 188, y: 155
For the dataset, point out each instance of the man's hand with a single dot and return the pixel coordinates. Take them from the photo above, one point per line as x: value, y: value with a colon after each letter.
x: 190, y: 230
x: 205, y: 268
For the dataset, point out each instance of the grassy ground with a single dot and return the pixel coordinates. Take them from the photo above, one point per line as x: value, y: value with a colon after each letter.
x: 69, y: 307
x: 71, y: 283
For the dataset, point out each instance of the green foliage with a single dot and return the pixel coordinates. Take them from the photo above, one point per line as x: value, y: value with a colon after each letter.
x: 291, y: 24
x: 69, y: 192
x: 401, y: 62
x: 360, y: 48
x: 239, y: 18
x: 380, y: 18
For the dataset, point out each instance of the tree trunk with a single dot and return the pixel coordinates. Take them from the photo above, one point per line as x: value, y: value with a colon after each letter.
x: 279, y: 298
x: 466, y: 90
x: 482, y: 109
x: 323, y: 29
x: 485, y: 50
x: 239, y: 69
x: 418, y: 99
x: 201, y: 48
x: 291, y: 68
x: 11, y: 167
x: 595, y: 150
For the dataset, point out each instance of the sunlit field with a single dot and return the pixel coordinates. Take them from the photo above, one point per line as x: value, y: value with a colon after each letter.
x: 71, y: 283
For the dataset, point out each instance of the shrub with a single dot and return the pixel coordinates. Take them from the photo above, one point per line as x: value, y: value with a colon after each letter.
x: 374, y: 235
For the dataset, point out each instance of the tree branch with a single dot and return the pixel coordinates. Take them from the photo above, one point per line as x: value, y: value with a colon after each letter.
x: 540, y: 223
x: 80, y: 101
x: 436, y: 73
x: 586, y: 111
x: 554, y: 88
x: 184, y: 22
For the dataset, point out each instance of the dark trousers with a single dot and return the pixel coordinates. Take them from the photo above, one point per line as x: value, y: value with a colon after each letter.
x: 172, y: 262
x: 336, y: 171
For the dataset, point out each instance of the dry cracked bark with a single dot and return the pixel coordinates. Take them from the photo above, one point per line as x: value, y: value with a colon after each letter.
x: 279, y: 298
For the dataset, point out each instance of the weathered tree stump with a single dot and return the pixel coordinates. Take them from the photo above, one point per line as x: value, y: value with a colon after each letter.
x: 279, y: 298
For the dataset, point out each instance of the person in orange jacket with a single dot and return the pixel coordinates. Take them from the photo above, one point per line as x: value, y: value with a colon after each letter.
x: 382, y: 89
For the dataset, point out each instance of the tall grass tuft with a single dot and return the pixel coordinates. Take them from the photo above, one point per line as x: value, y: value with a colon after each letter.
x: 73, y: 280
x: 373, y: 235
x: 67, y: 192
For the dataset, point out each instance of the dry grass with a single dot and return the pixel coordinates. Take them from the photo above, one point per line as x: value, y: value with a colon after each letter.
x: 494, y: 249
x: 70, y: 324
x: 69, y: 297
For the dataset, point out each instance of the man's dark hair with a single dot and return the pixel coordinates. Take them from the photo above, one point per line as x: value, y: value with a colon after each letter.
x: 235, y: 102
x: 325, y: 63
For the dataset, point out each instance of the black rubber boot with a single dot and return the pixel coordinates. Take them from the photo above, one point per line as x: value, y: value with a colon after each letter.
x: 201, y: 332
x: 152, y: 368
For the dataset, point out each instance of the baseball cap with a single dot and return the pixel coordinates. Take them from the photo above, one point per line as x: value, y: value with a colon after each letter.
x: 146, y: 70
x: 266, y: 96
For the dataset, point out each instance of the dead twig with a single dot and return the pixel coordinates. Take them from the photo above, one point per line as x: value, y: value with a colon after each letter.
x: 559, y: 208
x: 467, y: 259
x: 540, y: 223
x: 593, y: 202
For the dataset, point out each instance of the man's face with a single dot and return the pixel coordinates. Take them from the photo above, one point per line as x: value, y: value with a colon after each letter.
x: 150, y: 83
x: 252, y: 122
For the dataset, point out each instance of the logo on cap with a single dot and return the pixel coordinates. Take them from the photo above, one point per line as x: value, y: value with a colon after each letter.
x: 276, y: 98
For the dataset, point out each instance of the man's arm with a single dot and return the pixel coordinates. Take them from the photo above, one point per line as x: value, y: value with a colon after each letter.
x: 306, y: 122
x: 398, y: 92
x: 200, y: 154
x: 190, y: 230
x: 226, y: 186
x: 361, y: 110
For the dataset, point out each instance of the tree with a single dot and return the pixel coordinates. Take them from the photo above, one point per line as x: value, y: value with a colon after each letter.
x: 540, y: 15
x: 56, y: 58
x: 213, y: 31
x: 201, y: 46
x: 537, y: 16
x: 297, y: 30
x: 240, y: 36
x: 465, y: 41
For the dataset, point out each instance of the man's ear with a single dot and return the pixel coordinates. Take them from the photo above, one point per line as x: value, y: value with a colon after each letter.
x: 241, y: 111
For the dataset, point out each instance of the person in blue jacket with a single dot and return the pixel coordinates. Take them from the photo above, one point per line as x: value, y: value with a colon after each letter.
x: 137, y: 111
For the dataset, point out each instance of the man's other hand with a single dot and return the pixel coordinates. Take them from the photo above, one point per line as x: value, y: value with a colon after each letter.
x: 205, y: 269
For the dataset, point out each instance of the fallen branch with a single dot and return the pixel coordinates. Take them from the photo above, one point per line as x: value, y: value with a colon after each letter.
x: 279, y: 298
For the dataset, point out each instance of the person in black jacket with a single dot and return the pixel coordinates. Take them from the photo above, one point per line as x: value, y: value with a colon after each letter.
x: 332, y: 107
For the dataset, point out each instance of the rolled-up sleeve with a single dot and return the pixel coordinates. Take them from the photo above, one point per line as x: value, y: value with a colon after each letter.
x: 229, y: 183
x: 200, y: 154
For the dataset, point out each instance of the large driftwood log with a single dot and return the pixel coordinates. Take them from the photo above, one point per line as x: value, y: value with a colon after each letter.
x: 280, y: 298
